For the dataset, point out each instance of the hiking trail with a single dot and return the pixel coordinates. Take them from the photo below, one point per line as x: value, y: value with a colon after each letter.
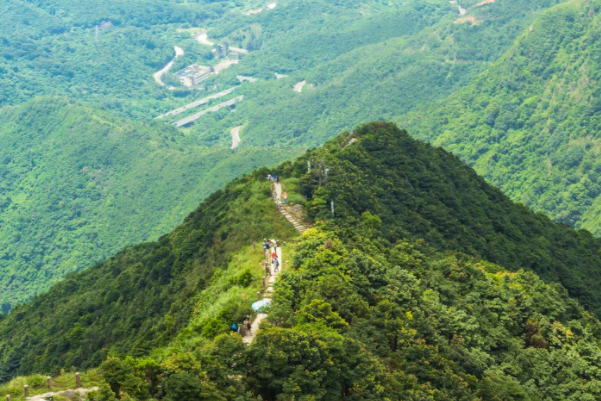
x: 81, y: 391
x: 277, y: 195
x: 235, y: 136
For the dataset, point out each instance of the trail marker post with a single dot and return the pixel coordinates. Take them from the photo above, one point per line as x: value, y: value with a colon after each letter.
x: 77, y: 380
x: 26, y: 390
x: 49, y: 383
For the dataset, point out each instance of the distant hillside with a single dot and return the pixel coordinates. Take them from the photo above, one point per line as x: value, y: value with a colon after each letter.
x: 77, y: 184
x: 530, y: 123
x: 395, y: 296
x: 104, y: 52
x: 362, y: 62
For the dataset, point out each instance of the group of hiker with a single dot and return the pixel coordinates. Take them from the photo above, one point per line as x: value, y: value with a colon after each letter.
x: 247, y: 327
x: 276, y: 199
x: 270, y: 249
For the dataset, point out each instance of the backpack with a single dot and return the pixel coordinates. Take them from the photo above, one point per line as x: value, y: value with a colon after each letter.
x: 234, y: 327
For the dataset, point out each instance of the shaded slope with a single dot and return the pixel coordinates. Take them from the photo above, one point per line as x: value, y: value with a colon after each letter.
x: 77, y: 184
x: 530, y: 124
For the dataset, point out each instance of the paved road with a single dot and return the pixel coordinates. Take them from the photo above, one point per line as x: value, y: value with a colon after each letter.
x: 203, y: 39
x: 299, y: 86
x: 157, y: 77
x: 199, y: 102
x: 235, y: 136
x: 196, y: 116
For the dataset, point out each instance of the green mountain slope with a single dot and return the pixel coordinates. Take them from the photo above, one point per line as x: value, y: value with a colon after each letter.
x: 144, y: 295
x: 529, y: 123
x: 393, y: 60
x: 103, y: 52
x: 387, y: 57
x: 77, y: 184
x: 425, y: 193
x: 396, y: 297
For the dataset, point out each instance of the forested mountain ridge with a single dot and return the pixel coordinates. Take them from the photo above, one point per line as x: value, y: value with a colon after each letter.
x: 106, y: 56
x: 143, y: 296
x: 394, y: 297
x: 78, y: 183
x: 530, y: 123
x: 426, y: 193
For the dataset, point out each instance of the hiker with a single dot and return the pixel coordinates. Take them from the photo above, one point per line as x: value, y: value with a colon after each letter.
x: 234, y: 327
x: 275, y: 178
x: 268, y: 177
x: 279, y: 204
x: 276, y: 265
x: 285, y: 199
x: 275, y: 245
x: 247, y: 326
x: 273, y: 255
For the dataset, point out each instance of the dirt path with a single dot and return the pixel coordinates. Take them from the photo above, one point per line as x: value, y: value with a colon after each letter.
x: 157, y: 77
x: 235, y: 136
x: 82, y: 393
x: 277, y: 195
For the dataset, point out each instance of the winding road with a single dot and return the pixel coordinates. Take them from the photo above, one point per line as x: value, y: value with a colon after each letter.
x: 203, y: 39
x: 462, y: 10
x: 196, y: 116
x: 235, y: 136
x: 199, y: 102
x: 299, y: 86
x: 157, y: 77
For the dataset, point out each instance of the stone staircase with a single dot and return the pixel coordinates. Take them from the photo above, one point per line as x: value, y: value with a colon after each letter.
x: 298, y: 226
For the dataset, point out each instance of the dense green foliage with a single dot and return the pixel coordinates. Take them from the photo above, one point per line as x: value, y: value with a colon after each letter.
x: 52, y: 48
x: 529, y: 124
x: 364, y: 63
x: 425, y: 193
x: 77, y: 184
x: 388, y: 57
x: 393, y: 298
x: 143, y: 296
x: 360, y: 321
